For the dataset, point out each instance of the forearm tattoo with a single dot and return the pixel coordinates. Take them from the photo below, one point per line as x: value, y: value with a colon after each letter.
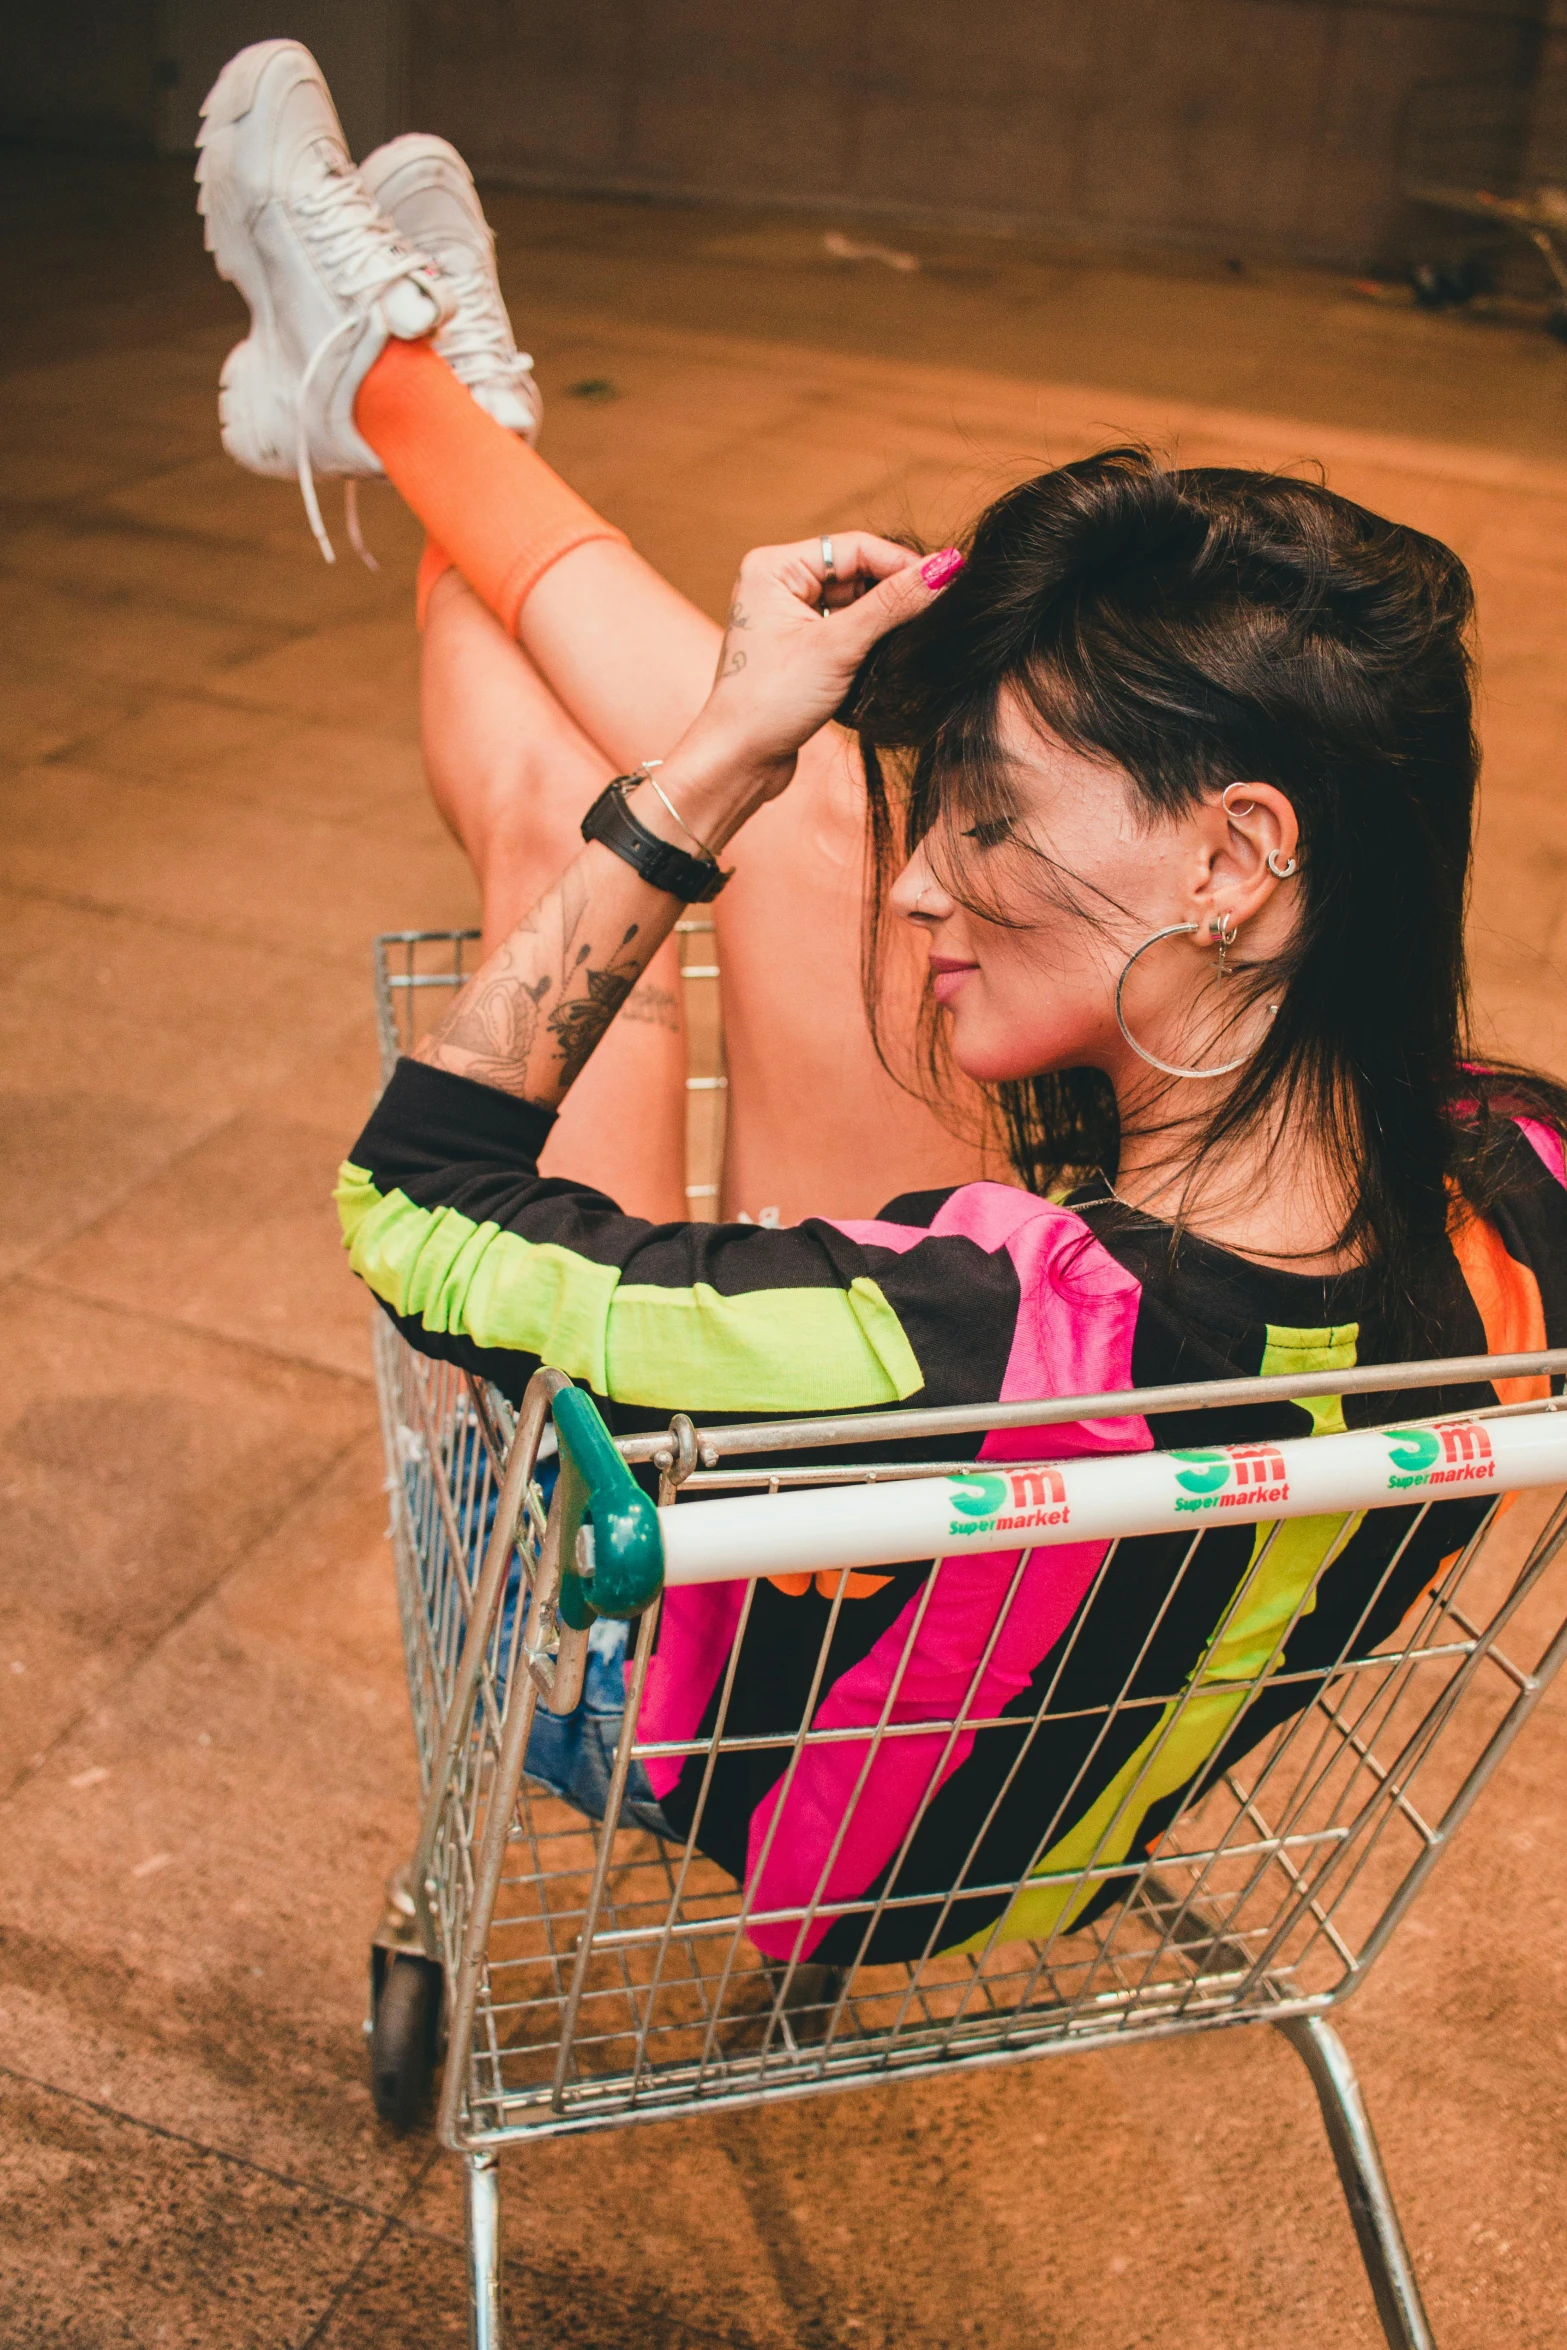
x: 494, y: 1024
x: 578, y: 1021
x: 530, y: 1030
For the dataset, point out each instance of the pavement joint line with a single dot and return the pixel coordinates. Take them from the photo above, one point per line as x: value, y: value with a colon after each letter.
x: 1498, y: 469
x: 252, y: 1346
x: 245, y: 2162
x: 135, y: 1665
x: 109, y: 598
x: 27, y: 1267
x: 75, y: 902
x: 394, y: 2223
x: 184, y: 791
x: 171, y: 1323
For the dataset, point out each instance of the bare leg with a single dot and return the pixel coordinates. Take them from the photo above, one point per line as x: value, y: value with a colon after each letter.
x: 513, y: 776
x: 816, y: 1125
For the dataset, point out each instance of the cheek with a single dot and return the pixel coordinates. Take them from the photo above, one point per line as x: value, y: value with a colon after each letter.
x: 1039, y: 1001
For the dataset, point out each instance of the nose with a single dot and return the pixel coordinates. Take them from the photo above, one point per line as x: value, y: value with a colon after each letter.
x: 916, y: 895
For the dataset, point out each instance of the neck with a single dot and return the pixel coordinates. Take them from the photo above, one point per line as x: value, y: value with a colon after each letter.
x: 1277, y: 1198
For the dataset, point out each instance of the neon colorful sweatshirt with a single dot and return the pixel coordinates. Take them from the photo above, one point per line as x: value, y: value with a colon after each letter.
x: 972, y: 1295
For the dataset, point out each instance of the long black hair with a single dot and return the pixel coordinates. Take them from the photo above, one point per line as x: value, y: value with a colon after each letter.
x: 1198, y: 628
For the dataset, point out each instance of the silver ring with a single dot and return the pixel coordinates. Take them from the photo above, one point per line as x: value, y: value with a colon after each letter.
x: 829, y: 568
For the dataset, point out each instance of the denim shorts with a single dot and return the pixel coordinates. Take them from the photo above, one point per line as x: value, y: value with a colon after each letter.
x: 573, y: 1754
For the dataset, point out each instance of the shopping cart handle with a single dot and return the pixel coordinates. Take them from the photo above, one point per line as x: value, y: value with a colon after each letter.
x: 598, y: 1490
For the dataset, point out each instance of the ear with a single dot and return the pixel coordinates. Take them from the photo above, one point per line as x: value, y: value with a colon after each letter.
x: 1245, y: 826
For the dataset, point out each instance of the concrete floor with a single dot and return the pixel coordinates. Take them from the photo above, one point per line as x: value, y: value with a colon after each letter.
x: 212, y: 800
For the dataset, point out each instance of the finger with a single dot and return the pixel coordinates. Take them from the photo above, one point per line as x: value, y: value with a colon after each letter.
x: 913, y: 588
x: 859, y: 558
x: 859, y: 554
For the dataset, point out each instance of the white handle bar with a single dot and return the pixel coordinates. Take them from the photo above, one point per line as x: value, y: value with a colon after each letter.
x: 999, y: 1507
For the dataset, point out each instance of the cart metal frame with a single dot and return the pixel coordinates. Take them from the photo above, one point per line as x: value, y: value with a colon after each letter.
x: 1494, y: 151
x: 593, y: 1975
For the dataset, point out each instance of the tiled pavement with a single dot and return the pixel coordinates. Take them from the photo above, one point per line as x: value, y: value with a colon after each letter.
x: 211, y: 801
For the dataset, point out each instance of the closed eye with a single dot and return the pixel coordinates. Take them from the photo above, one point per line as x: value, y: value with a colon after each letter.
x: 990, y: 834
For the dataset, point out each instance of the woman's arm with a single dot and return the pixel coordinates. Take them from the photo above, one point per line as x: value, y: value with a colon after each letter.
x: 529, y: 1019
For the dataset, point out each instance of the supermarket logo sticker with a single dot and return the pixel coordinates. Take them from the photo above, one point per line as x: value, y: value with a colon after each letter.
x: 1439, y: 1456
x: 1013, y: 1503
x: 1234, y: 1477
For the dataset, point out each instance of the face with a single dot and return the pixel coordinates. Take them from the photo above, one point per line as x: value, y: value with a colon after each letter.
x: 1080, y: 878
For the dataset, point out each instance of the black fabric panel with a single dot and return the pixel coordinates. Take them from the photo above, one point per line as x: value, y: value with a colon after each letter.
x: 1146, y: 1601
x: 428, y: 1119
x: 771, y: 1686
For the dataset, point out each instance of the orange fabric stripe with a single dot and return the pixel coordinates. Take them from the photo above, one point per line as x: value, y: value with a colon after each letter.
x: 1506, y: 1296
x: 501, y: 513
x: 856, y: 1586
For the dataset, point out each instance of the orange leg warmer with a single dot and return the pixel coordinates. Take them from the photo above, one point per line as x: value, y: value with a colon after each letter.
x: 499, y: 512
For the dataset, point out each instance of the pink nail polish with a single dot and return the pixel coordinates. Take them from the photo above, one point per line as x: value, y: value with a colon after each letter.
x: 936, y: 570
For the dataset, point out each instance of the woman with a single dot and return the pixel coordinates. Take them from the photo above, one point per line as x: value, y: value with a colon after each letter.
x: 1182, y: 780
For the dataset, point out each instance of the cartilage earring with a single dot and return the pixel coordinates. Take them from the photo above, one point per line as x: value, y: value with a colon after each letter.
x: 1281, y: 867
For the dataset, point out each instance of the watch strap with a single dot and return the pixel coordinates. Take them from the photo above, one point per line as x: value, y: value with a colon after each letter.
x: 694, y: 880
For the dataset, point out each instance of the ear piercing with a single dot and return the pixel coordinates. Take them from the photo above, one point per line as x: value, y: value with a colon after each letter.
x: 1221, y: 927
x: 1280, y: 866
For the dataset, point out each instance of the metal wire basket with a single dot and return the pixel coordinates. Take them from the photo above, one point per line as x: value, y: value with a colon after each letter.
x: 591, y: 1972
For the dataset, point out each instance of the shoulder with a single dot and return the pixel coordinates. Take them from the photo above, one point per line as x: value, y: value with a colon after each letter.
x: 1043, y: 1244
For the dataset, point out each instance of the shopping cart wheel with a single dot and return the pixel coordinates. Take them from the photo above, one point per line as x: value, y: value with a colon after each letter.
x: 403, y: 2038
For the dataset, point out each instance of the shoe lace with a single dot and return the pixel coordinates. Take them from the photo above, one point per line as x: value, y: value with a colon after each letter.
x: 356, y: 244
x: 361, y: 254
x: 477, y: 338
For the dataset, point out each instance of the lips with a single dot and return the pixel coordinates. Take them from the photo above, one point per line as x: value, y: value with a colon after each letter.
x: 947, y: 976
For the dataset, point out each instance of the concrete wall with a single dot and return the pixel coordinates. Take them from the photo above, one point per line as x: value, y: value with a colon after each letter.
x: 1245, y: 126
x: 78, y: 70
x: 1258, y: 127
x: 359, y: 44
x: 132, y: 73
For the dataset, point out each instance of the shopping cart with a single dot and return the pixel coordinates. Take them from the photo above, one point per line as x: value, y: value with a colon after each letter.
x: 1495, y: 151
x: 582, y: 1975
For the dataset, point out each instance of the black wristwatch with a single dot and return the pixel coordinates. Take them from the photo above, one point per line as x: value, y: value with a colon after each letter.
x: 691, y: 879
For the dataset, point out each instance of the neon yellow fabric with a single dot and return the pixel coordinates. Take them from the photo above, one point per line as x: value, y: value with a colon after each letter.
x: 768, y: 1350
x: 1312, y: 1350
x: 1191, y: 1729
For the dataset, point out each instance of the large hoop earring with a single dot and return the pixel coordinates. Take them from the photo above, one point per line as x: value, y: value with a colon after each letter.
x: 1170, y: 1068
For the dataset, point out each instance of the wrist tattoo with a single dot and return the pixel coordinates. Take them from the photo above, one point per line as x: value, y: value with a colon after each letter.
x: 653, y: 1006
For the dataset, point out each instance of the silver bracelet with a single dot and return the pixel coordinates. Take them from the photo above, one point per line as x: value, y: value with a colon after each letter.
x: 644, y: 770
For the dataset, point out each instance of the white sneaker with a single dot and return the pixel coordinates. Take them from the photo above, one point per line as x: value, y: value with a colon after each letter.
x: 326, y: 276
x: 426, y: 190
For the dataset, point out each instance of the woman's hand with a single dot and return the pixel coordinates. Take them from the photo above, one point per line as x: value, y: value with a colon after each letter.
x: 795, y: 640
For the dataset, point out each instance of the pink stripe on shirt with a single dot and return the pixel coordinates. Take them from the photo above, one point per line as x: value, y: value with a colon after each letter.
x: 1073, y: 1336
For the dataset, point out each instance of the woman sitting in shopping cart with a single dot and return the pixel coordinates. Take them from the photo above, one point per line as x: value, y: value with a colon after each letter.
x: 1170, y: 779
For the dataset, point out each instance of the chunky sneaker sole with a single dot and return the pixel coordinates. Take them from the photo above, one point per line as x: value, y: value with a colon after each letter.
x: 424, y: 187
x: 325, y: 275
